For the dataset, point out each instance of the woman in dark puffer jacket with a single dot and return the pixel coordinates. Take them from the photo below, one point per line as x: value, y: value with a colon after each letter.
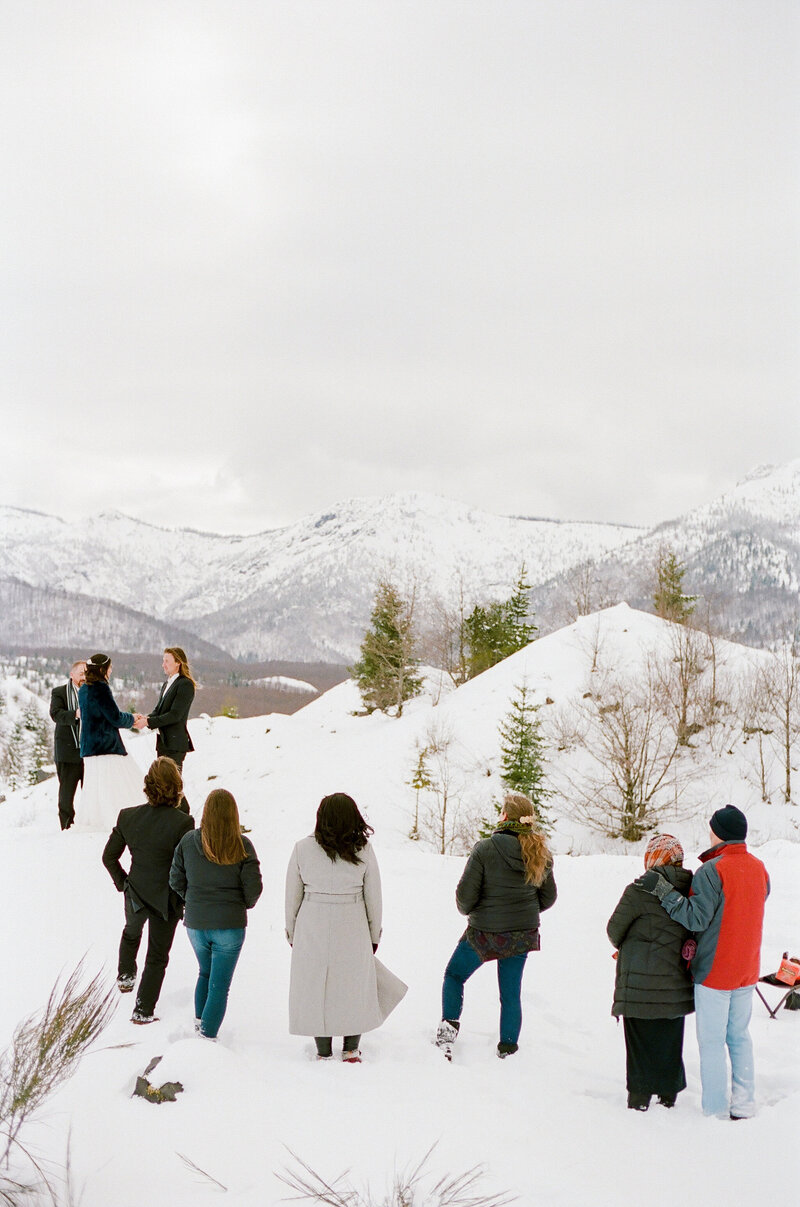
x: 506, y: 884
x: 653, y: 991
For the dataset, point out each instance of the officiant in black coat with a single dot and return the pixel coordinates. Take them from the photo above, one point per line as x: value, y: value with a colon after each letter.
x: 151, y: 833
x: 67, y: 741
x: 171, y: 712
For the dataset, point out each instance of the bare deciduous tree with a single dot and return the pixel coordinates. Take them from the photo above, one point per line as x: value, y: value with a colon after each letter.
x: 441, y: 822
x: 442, y: 640
x: 782, y: 694
x: 678, y: 680
x: 635, y: 776
x: 753, y: 710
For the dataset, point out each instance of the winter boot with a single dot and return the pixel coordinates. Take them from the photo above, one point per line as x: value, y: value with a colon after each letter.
x: 667, y: 1100
x: 125, y: 984
x: 446, y: 1034
x: 141, y: 1019
x: 504, y: 1050
x: 638, y: 1102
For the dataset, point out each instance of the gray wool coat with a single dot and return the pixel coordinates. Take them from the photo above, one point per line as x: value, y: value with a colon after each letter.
x: 333, y: 917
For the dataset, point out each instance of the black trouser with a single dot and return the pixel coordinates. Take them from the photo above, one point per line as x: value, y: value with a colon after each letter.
x: 177, y: 756
x: 69, y: 776
x: 160, y: 934
x: 325, y: 1044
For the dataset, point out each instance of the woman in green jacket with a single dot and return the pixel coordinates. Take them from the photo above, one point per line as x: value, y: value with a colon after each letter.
x: 653, y: 991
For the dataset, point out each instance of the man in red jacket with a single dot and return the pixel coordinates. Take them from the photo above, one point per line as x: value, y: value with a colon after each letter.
x: 726, y: 912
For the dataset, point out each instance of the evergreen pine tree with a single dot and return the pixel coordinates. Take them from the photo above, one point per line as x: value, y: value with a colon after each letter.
x: 420, y: 781
x: 386, y: 672
x: 15, y: 758
x: 522, y: 748
x: 493, y: 631
x: 520, y: 626
x: 669, y: 599
x: 40, y: 752
x: 485, y: 637
x: 31, y: 718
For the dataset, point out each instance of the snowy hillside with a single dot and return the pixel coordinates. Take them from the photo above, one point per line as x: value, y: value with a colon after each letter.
x: 299, y: 592
x: 258, y: 1093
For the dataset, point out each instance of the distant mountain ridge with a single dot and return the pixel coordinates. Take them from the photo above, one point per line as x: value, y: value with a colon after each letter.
x: 304, y: 591
x: 741, y: 552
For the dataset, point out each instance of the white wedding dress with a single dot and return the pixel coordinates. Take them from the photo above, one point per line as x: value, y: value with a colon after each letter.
x: 110, y: 782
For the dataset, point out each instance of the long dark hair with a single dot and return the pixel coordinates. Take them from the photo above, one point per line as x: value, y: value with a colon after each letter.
x: 220, y: 828
x: 341, y: 830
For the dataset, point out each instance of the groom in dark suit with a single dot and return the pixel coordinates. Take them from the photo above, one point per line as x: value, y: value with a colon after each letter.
x: 67, y: 742
x: 171, y: 712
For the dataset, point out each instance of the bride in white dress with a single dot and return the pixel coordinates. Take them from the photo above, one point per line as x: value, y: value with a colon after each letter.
x: 112, y: 779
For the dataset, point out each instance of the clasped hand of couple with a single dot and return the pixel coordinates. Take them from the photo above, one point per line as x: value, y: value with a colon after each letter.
x: 139, y: 721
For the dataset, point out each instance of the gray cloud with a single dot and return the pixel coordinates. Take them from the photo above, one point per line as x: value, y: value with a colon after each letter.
x: 542, y: 258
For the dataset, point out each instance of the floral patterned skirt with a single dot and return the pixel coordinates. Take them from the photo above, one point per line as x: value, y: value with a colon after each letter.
x: 498, y: 945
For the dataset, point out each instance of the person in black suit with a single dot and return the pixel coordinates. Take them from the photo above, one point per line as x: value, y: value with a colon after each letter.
x: 67, y: 741
x: 151, y: 832
x: 171, y: 712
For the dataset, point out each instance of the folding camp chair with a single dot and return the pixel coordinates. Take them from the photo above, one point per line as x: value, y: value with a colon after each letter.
x: 782, y: 979
x: 789, y: 992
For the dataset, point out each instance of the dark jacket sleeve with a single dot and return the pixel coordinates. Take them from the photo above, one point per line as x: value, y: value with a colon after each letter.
x: 107, y: 705
x: 547, y: 891
x: 177, y: 873
x: 113, y: 849
x: 470, y: 886
x: 250, y: 874
x: 59, y: 712
x: 627, y: 911
x: 181, y: 703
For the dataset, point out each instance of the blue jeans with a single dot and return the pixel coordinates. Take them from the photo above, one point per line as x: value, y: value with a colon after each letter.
x: 463, y: 962
x: 217, y: 952
x: 722, y: 1019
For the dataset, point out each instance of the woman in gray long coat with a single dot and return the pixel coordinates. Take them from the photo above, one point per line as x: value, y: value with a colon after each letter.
x: 333, y: 923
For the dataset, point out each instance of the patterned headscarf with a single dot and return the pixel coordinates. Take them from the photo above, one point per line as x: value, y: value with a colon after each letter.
x: 662, y: 848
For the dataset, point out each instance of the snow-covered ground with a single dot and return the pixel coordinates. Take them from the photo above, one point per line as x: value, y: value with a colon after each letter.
x: 549, y: 1124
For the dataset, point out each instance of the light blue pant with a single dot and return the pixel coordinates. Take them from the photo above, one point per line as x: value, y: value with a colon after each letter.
x: 722, y: 1018
x: 217, y: 952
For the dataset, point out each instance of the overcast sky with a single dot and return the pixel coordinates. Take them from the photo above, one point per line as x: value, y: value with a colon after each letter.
x: 540, y: 256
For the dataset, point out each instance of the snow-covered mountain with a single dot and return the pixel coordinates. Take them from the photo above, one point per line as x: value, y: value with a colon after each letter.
x: 741, y: 552
x: 303, y: 591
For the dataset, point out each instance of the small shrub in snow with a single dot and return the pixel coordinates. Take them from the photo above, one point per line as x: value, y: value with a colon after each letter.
x: 45, y: 1051
x: 415, y: 1189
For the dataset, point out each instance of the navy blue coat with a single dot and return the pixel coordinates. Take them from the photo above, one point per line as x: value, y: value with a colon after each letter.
x: 101, y: 721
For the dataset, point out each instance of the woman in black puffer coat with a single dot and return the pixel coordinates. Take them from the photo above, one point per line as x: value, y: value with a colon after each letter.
x: 653, y: 991
x: 507, y: 883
